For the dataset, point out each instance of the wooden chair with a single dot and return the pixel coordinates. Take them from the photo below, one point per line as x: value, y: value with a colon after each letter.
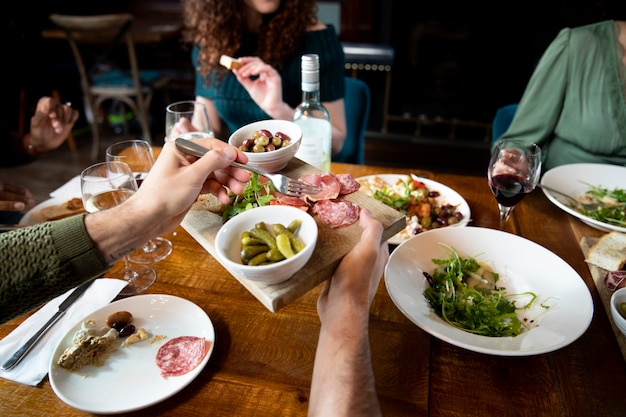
x: 357, y: 101
x: 105, y: 75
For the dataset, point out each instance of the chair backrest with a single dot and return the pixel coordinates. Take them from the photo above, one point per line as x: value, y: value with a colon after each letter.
x: 357, y: 101
x: 502, y: 120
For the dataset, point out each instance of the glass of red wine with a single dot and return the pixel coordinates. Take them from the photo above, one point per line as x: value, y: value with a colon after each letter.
x: 514, y: 171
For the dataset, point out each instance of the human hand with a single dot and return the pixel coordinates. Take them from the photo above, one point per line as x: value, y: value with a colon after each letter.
x: 176, y: 180
x: 51, y: 124
x: 356, y: 279
x: 265, y: 88
x: 15, y: 198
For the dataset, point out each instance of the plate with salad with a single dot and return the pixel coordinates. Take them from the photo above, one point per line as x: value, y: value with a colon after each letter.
x: 476, y: 288
x: 601, y: 183
x: 427, y: 204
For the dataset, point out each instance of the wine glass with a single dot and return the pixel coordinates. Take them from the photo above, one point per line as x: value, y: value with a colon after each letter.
x: 137, y: 154
x: 105, y: 185
x: 195, y: 112
x: 514, y: 169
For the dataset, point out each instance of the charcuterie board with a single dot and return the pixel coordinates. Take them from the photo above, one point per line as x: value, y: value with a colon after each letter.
x: 598, y: 275
x: 332, y: 244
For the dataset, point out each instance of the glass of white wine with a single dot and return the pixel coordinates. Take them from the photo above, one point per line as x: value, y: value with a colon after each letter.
x: 188, y: 119
x: 105, y: 185
x: 138, y: 155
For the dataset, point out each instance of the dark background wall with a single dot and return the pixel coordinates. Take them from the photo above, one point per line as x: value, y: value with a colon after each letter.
x: 453, y: 58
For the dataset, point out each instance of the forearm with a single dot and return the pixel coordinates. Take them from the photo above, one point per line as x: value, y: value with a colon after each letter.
x: 120, y: 230
x: 343, y: 378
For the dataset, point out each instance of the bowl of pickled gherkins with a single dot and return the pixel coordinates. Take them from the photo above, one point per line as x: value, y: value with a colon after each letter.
x: 267, y: 244
x: 269, y: 144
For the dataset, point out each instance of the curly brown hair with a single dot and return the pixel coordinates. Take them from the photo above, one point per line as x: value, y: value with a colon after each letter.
x: 217, y: 28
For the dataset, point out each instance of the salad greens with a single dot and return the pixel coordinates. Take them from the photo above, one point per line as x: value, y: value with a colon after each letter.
x: 613, y: 208
x: 255, y: 194
x: 463, y: 292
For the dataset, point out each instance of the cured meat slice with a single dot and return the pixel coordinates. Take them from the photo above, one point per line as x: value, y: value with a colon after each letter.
x: 337, y: 213
x: 348, y: 183
x: 614, y: 280
x: 285, y: 200
x: 181, y: 355
x: 329, y: 184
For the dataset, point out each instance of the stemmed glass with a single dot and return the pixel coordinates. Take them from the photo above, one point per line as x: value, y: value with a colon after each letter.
x: 137, y: 154
x: 514, y: 170
x: 106, y: 185
x: 195, y: 112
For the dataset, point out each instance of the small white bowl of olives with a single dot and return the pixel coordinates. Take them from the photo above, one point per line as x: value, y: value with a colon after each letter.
x: 618, y: 309
x: 269, y: 144
x: 247, y: 254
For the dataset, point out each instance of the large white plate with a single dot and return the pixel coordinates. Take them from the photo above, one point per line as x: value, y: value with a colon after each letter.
x: 130, y: 379
x: 34, y: 216
x: 523, y: 266
x: 572, y: 179
x: 447, y: 196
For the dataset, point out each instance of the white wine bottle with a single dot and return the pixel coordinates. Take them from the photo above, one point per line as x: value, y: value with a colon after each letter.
x: 313, y: 118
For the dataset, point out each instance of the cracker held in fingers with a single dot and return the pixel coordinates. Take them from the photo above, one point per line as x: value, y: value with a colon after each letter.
x: 229, y: 62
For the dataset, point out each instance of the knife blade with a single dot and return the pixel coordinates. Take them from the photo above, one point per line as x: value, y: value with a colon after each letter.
x: 26, y: 347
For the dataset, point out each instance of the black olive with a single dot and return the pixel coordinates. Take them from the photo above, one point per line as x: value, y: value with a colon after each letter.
x: 119, y: 325
x: 127, y: 330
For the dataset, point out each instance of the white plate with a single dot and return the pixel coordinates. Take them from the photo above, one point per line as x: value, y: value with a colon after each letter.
x: 447, y: 196
x: 33, y: 216
x: 523, y: 266
x: 130, y: 379
x: 571, y: 180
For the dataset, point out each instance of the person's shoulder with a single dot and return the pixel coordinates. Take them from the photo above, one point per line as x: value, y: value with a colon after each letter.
x: 317, y: 26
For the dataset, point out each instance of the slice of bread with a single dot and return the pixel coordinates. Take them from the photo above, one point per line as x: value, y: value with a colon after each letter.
x: 229, y: 62
x: 609, y: 252
x: 61, y: 211
x: 211, y: 203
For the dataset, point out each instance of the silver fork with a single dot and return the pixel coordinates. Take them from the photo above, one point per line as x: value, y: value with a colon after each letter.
x: 284, y: 184
x: 573, y: 201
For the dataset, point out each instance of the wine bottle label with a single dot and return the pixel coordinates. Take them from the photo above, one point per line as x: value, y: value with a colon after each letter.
x: 314, y: 144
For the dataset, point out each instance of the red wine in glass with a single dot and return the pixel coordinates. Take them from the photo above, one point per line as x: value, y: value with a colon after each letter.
x: 509, y: 189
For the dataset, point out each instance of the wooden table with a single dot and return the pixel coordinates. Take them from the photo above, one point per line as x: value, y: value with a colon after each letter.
x: 262, y: 362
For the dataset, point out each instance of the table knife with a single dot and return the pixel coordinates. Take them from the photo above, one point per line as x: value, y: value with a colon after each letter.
x: 26, y: 347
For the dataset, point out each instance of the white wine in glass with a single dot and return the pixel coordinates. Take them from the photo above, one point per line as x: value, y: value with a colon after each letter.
x: 196, y: 124
x: 105, y: 185
x: 137, y: 154
x: 514, y: 170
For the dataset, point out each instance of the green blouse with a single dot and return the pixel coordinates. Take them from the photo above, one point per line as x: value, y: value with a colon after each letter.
x: 235, y: 106
x: 40, y: 262
x: 574, y: 104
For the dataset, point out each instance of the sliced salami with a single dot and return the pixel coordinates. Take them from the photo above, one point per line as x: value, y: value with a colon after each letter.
x: 329, y: 184
x: 349, y: 184
x: 181, y: 355
x: 337, y: 213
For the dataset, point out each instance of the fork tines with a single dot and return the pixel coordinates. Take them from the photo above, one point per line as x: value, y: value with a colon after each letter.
x: 299, y: 188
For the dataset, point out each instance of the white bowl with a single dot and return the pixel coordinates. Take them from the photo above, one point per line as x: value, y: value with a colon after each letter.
x: 228, y: 243
x: 618, y: 297
x: 274, y: 160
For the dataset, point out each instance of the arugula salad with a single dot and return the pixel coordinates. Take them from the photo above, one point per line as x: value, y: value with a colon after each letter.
x: 613, y: 205
x: 465, y: 294
x: 255, y: 194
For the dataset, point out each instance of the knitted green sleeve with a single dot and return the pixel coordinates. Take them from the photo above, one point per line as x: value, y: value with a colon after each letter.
x: 40, y: 262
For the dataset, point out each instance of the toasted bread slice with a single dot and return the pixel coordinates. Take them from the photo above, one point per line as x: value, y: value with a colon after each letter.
x: 229, y: 62
x: 609, y: 252
x: 61, y: 211
x: 211, y: 203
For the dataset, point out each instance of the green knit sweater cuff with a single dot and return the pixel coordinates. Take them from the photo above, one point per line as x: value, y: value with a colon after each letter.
x: 76, y: 247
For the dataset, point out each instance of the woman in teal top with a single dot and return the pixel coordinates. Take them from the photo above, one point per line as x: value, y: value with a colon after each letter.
x: 574, y: 105
x: 269, y: 38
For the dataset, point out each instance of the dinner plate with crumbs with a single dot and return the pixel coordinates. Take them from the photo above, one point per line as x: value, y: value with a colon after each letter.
x: 447, y: 195
x: 34, y: 215
x: 560, y: 313
x: 575, y: 180
x: 130, y: 379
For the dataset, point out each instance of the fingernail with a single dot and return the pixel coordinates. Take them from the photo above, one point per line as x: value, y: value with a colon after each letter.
x: 19, y: 206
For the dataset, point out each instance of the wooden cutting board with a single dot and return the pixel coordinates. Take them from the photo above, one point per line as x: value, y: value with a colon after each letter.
x: 598, y: 275
x: 332, y: 244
